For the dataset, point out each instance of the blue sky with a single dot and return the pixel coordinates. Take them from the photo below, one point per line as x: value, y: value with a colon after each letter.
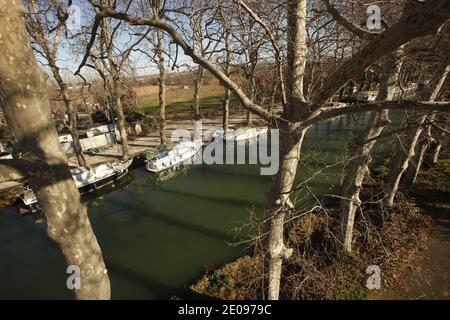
x: 69, y: 59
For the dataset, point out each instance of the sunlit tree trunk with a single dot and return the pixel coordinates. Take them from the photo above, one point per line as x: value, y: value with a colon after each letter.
x: 24, y: 101
x: 48, y: 48
x: 360, y: 150
x: 435, y: 149
x: 162, y: 88
x: 120, y: 117
x: 355, y: 172
x: 106, y: 43
x: 406, y: 148
x: 399, y: 163
x: 72, y: 114
x: 249, y: 119
x: 277, y: 201
x: 435, y: 153
x: 277, y: 205
x: 416, y: 162
x: 226, y: 110
x: 226, y: 69
x: 197, y: 87
x: 273, y: 95
x: 298, y: 114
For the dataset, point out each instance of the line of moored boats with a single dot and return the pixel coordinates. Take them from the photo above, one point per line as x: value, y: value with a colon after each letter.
x: 164, y: 158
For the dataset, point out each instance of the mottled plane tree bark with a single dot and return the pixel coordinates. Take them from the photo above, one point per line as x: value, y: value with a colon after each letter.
x: 407, y: 147
x: 24, y: 101
x: 361, y: 148
x: 277, y: 199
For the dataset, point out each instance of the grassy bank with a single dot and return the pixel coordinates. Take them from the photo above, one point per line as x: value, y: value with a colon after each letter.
x: 179, y: 98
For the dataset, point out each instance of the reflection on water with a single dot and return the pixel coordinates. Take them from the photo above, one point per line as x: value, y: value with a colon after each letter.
x: 156, y: 235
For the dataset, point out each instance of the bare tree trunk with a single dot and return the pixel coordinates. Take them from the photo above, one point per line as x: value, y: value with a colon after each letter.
x: 273, y: 95
x: 162, y: 88
x: 435, y: 150
x: 355, y: 172
x: 106, y: 43
x: 360, y: 151
x: 24, y: 100
x: 436, y: 142
x: 226, y: 110
x: 416, y: 163
x: 252, y: 97
x: 249, y: 119
x: 197, y: 87
x: 277, y: 202
x: 37, y: 29
x: 399, y: 163
x: 227, y: 92
x: 277, y: 205
x: 72, y: 124
x: 120, y: 118
x: 72, y: 114
x: 430, y: 94
x: 406, y: 150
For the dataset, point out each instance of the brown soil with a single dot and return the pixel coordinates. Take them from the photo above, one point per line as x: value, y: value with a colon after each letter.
x: 428, y: 277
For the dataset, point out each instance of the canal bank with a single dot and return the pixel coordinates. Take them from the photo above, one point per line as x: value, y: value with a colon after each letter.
x: 158, y: 237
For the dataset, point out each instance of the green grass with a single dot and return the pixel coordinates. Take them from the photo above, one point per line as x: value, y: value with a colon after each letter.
x: 186, y: 104
x: 442, y: 175
x: 182, y: 99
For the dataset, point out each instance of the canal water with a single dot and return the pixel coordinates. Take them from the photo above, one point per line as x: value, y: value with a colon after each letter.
x: 156, y: 237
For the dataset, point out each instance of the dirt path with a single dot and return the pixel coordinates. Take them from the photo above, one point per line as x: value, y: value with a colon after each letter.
x: 429, y: 276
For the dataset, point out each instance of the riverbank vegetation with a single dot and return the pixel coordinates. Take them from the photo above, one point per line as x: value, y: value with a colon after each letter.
x: 290, y: 65
x: 389, y: 237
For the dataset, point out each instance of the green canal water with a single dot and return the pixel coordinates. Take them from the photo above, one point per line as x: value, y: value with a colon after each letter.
x: 156, y: 237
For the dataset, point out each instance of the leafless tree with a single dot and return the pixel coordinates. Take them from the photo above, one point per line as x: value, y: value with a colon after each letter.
x: 298, y: 114
x: 24, y: 101
x: 157, y: 42
x: 226, y: 67
x: 110, y: 61
x: 360, y: 149
x: 46, y: 30
x: 407, y: 147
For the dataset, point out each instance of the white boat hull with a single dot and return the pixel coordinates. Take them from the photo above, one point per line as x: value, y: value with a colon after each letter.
x: 88, y: 179
x: 175, y: 157
x: 239, y: 134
